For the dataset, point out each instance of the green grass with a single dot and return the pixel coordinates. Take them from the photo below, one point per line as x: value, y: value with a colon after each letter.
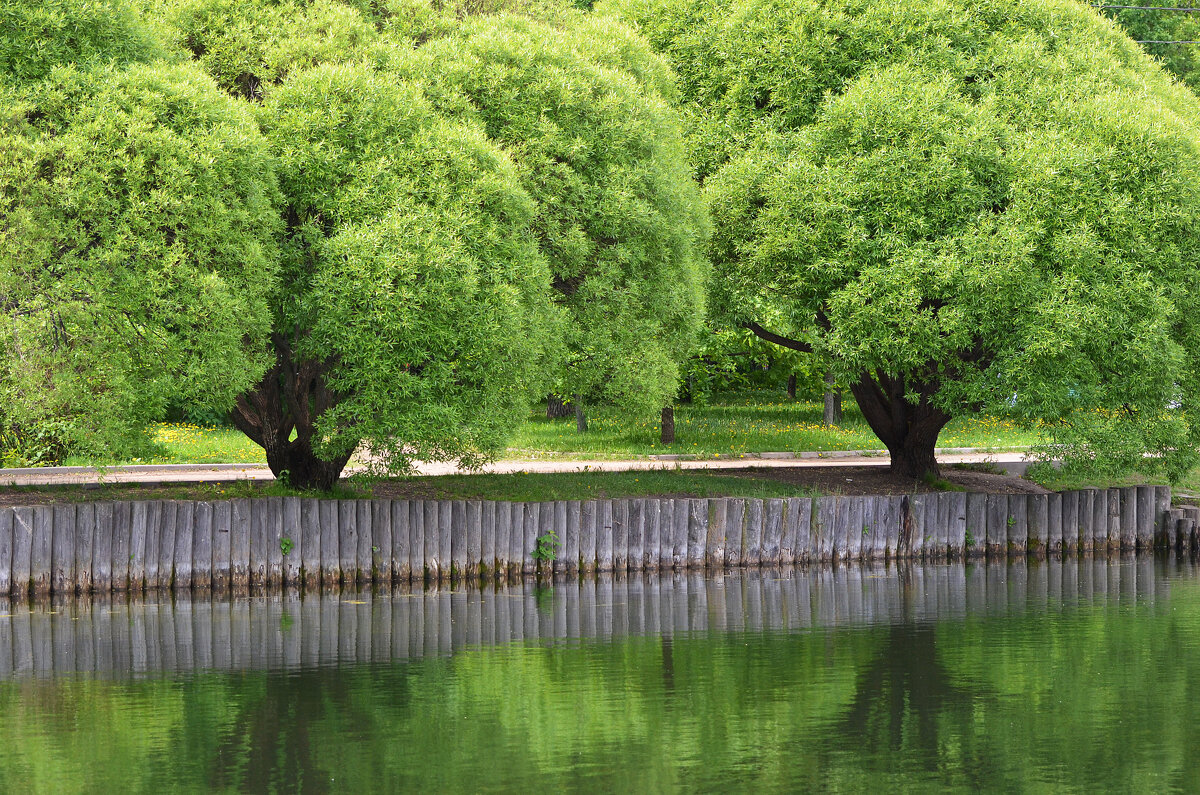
x: 187, y: 443
x: 736, y: 425
x: 514, y: 487
x: 543, y: 487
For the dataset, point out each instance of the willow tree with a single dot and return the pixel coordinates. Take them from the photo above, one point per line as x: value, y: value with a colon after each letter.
x: 583, y: 107
x: 138, y: 243
x: 979, y: 206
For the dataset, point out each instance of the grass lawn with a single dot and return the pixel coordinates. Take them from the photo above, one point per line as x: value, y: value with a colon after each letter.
x: 754, y: 422
x: 185, y: 443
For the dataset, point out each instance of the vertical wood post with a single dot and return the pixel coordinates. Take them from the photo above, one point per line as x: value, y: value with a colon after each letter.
x: 1085, y: 508
x: 291, y: 537
x: 310, y: 542
x: 364, y: 555
x: 1100, y: 521
x: 772, y: 544
x: 63, y: 551
x: 825, y: 516
x: 533, y: 515
x: 1070, y: 523
x: 697, y: 532
x: 735, y: 529
x: 637, y: 534
x: 458, y: 539
x: 137, y: 545
x: 1145, y: 517
x: 122, y: 535
x: 433, y: 565
x: 487, y: 540
x: 85, y: 529
x: 588, y: 515
x: 997, y: 525
x: 416, y: 541
x: 474, y: 550
x: 1037, y: 511
x: 1128, y: 518
x: 185, y: 525
x: 1162, y: 504
x: 504, y: 516
x: 6, y: 553
x: 202, y: 543
x: 976, y: 536
x: 382, y: 539
x: 101, y: 548
x: 956, y: 524
x: 753, y: 534
x: 604, y: 536
x: 1054, y: 517
x: 1114, y: 520
x: 331, y: 539
x: 222, y: 527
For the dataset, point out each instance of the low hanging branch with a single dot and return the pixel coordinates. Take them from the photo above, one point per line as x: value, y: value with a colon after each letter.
x: 770, y: 336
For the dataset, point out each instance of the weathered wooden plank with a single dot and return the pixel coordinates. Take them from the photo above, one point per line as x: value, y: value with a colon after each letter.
x: 416, y: 541
x: 1145, y: 517
x: 772, y: 532
x: 1054, y: 516
x: 572, y: 535
x: 853, y: 529
x: 347, y: 546
x: 1018, y: 525
x: 679, y: 534
x: 153, y: 543
x: 604, y: 536
x: 101, y: 549
x: 261, y: 529
x: 489, y: 511
x: 996, y: 545
x: 62, y: 553
x: 137, y: 545
x: 697, y: 532
x: 6, y: 561
x: 1162, y: 504
x: 1129, y: 518
x: 222, y: 546
x: 752, y: 534
x: 1038, y: 511
x: 401, y: 542
x: 652, y: 546
x: 531, y: 525
x: 956, y: 524
x: 825, y: 518
x: 800, y: 512
x: 434, y: 563
x: 1070, y: 523
x: 912, y: 537
x: 202, y: 544
x: 589, y: 512
x: 364, y: 533
x: 239, y: 545
x: 504, y: 514
x: 975, y: 542
x: 1114, y: 520
x: 185, y: 525
x: 636, y: 534
x: 897, y: 508
x: 382, y: 538
x: 122, y: 535
x: 714, y: 541
x: 620, y: 534
x: 85, y: 530
x: 735, y: 532
x: 1084, y: 508
x: 445, y: 544
x: 168, y: 511
x: 292, y: 540
x: 474, y: 528
x: 1100, y: 521
x: 328, y: 514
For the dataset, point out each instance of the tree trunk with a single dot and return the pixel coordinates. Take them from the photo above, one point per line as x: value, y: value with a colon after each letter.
x: 557, y: 408
x: 908, y: 430
x: 289, y: 398
x: 833, y: 403
x: 667, y: 428
x: 580, y: 417
x: 792, y: 386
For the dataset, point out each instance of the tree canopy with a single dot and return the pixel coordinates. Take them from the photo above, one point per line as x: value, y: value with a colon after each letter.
x: 139, y: 237
x: 474, y: 207
x: 977, y: 206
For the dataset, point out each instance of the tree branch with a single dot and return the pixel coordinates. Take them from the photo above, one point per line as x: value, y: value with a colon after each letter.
x: 786, y: 342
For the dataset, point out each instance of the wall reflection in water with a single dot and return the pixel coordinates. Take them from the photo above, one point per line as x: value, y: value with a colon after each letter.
x: 290, y: 631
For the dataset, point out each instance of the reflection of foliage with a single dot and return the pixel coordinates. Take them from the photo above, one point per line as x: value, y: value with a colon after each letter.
x: 1088, y: 696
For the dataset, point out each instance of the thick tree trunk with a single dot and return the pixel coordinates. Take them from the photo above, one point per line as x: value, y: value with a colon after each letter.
x: 557, y: 408
x: 289, y: 398
x: 666, y: 433
x: 908, y: 430
x: 791, y: 387
x: 833, y: 403
x: 580, y: 417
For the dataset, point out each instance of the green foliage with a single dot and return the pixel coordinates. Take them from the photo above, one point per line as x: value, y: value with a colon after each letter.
x: 581, y: 109
x: 996, y: 204
x: 38, y: 35
x: 408, y: 264
x: 138, y: 247
x: 547, y: 546
x: 42, y: 443
x: 286, y: 545
x: 1148, y: 25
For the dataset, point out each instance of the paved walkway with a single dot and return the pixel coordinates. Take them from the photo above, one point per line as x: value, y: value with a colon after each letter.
x: 1013, y: 463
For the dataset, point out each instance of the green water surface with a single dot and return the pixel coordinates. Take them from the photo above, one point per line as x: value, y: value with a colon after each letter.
x: 1059, y: 676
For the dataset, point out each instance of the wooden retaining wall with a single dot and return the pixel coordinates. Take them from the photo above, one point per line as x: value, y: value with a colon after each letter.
x: 269, y: 542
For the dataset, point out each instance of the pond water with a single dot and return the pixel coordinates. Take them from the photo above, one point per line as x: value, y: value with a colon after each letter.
x: 1076, y: 675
